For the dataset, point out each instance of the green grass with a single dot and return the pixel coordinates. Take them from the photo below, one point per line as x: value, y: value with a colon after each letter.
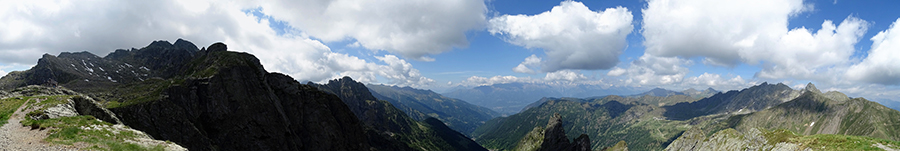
x: 69, y: 130
x: 842, y: 142
x: 49, y: 101
x: 8, y: 106
x: 827, y: 141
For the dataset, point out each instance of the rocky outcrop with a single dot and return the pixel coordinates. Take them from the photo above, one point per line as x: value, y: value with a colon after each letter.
x: 553, y: 138
x: 84, y: 105
x: 77, y: 104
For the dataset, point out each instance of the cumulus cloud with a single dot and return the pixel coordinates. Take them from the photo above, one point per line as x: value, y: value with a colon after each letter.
x: 571, y: 35
x: 31, y: 28
x: 710, y: 28
x: 805, y: 55
x: 652, y: 70
x: 882, y: 65
x: 413, y: 29
x: 525, y: 67
x: 727, y: 33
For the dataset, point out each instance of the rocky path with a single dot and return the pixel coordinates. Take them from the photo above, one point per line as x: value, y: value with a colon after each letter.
x: 15, y: 137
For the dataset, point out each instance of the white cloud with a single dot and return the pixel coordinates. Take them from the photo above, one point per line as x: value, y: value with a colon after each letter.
x: 479, y: 81
x: 716, y: 81
x: 2, y: 73
x: 805, y: 55
x: 525, y: 67
x: 566, y: 75
x: 652, y: 70
x: 711, y: 28
x: 727, y: 33
x: 31, y: 28
x: 882, y: 66
x: 571, y: 35
x: 410, y: 28
x: 616, y: 71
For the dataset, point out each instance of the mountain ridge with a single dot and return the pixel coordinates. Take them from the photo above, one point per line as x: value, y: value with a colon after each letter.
x: 215, y: 99
x: 421, y: 104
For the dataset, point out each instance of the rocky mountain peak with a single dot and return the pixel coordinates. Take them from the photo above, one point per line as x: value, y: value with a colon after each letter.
x: 555, y: 137
x: 77, y: 55
x: 812, y: 88
x: 187, y: 45
x: 160, y: 43
x: 217, y: 47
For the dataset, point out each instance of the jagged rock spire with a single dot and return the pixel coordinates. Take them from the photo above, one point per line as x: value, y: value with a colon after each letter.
x: 555, y: 137
x: 812, y: 88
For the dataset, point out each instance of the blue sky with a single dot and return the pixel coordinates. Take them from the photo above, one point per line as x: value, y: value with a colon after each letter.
x: 489, y: 55
x: 442, y: 44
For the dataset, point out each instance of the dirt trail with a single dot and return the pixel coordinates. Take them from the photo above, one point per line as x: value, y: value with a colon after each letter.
x: 15, y: 137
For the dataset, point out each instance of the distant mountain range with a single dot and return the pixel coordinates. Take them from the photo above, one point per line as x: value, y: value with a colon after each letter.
x: 510, y: 98
x: 646, y: 124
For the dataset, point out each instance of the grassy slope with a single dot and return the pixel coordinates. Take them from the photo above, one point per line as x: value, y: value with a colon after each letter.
x: 815, y: 142
x: 815, y: 114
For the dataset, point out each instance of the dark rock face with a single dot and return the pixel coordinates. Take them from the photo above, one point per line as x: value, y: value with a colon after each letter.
x: 242, y: 107
x: 555, y: 138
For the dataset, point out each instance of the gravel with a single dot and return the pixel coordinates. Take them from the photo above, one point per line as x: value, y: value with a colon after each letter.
x: 15, y: 137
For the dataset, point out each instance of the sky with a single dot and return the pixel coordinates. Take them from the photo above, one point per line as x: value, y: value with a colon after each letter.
x: 847, y: 46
